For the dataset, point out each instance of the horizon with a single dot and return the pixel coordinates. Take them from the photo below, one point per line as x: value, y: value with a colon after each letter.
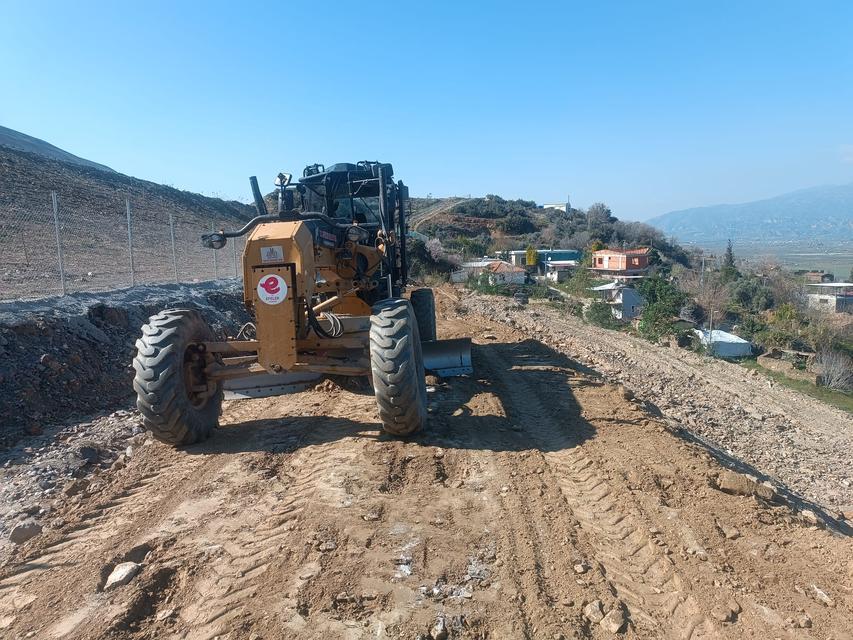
x: 718, y: 108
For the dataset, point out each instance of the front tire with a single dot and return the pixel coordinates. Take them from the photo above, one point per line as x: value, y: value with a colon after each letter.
x: 397, y: 366
x: 177, y: 405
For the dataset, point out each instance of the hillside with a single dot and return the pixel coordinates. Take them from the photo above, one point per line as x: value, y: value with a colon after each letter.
x: 477, y: 226
x: 22, y: 142
x: 93, y: 227
x: 819, y: 214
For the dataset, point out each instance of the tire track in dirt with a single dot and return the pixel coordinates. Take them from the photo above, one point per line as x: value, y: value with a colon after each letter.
x: 641, y: 574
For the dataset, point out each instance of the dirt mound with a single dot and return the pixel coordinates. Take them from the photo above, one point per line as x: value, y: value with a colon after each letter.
x: 72, y: 357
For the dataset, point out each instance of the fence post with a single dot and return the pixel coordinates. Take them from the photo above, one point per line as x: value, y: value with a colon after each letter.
x: 174, y: 253
x: 234, y: 244
x: 58, y: 240
x: 130, y: 244
x: 215, y: 266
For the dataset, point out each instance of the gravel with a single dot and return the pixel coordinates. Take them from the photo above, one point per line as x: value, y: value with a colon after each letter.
x: 791, y: 438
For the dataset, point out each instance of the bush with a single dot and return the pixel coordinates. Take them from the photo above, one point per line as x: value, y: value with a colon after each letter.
x: 656, y: 322
x: 836, y: 370
x: 600, y: 314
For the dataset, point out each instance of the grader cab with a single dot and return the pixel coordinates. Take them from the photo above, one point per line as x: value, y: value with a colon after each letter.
x: 324, y: 283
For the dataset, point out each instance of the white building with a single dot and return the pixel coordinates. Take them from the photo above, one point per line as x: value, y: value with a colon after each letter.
x: 471, y: 269
x: 625, y: 302
x: 724, y: 344
x: 831, y: 297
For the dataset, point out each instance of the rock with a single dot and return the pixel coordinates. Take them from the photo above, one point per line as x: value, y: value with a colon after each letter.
x: 489, y: 336
x: 24, y: 531
x: 89, y: 453
x: 580, y: 568
x: 439, y: 629
x: 743, y: 485
x: 726, y: 612
x: 75, y: 486
x: 594, y: 611
x: 804, y: 621
x: 327, y: 545
x: 730, y: 533
x: 165, y: 615
x: 614, y: 621
x: 821, y: 596
x: 121, y: 575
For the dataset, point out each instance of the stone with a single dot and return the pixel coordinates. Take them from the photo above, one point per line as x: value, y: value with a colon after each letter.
x: 821, y: 596
x: 123, y: 573
x: 89, y: 453
x: 328, y: 545
x: 743, y: 485
x: 439, y: 629
x: 580, y: 568
x: 726, y: 612
x: 24, y: 531
x: 594, y: 611
x: 614, y: 621
x: 75, y: 486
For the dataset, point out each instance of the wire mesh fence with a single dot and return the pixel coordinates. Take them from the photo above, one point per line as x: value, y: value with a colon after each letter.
x: 49, y: 249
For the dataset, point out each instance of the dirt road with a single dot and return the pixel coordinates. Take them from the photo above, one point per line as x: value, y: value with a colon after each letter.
x: 540, y: 503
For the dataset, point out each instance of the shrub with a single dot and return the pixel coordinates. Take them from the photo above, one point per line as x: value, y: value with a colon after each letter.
x: 836, y: 370
x: 600, y: 314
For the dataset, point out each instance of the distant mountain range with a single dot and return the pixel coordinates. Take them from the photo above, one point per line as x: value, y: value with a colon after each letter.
x: 22, y: 142
x: 818, y: 214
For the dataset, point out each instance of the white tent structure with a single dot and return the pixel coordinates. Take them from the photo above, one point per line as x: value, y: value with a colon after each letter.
x: 724, y: 344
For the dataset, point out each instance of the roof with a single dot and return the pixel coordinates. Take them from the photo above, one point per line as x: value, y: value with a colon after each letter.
x: 607, y: 287
x: 720, y: 336
x: 504, y: 267
x: 477, y: 264
x: 642, y: 251
x: 832, y: 285
x: 562, y: 263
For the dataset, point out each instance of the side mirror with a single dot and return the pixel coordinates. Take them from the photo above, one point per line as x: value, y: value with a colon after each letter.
x: 214, y: 240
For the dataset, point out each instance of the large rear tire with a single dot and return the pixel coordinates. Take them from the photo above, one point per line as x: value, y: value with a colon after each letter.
x: 169, y: 378
x: 423, y: 302
x: 397, y: 365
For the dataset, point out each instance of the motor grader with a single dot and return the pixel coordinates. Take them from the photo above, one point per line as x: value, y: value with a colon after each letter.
x: 324, y: 281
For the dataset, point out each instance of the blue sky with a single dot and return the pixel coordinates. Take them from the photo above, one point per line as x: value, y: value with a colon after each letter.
x: 647, y: 106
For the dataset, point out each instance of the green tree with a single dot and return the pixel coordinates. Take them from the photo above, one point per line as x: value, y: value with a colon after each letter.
x: 663, y: 302
x: 729, y: 272
x: 600, y: 314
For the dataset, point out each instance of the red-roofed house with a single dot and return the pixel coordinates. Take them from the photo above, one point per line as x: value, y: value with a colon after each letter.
x: 624, y: 262
x: 504, y: 272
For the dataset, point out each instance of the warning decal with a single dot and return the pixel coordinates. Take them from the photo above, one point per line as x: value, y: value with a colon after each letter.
x: 272, y: 289
x: 274, y: 253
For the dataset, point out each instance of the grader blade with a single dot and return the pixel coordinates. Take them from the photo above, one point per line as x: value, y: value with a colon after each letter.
x: 269, y: 384
x: 448, y: 358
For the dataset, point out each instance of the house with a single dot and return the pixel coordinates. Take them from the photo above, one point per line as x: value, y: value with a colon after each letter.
x: 471, y: 269
x: 565, y: 207
x: 724, y: 344
x: 621, y: 262
x: 625, y: 302
x: 559, y: 270
x: 570, y: 257
x: 831, y: 297
x: 816, y: 277
x: 501, y: 272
